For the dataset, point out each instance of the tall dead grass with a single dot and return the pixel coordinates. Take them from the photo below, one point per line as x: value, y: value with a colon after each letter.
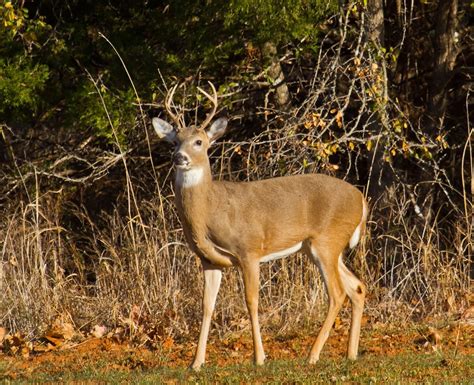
x: 96, y: 271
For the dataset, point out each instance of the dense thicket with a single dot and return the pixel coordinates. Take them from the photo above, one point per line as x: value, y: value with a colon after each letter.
x: 377, y: 92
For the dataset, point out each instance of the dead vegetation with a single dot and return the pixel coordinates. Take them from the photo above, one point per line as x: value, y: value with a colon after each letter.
x: 100, y: 271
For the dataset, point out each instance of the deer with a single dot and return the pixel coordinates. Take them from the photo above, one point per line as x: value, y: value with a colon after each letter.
x: 244, y: 224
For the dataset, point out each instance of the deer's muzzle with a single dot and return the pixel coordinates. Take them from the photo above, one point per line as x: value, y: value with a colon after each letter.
x: 180, y: 159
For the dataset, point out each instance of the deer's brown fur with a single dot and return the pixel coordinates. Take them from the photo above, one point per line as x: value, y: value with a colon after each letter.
x: 244, y: 223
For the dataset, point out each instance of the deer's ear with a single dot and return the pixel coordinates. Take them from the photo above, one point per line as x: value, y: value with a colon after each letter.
x: 217, y: 129
x: 163, y: 129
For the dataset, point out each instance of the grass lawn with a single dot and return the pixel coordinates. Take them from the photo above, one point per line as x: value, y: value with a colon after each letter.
x: 404, y: 368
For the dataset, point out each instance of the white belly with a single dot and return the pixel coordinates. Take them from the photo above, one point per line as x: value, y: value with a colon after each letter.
x: 282, y: 253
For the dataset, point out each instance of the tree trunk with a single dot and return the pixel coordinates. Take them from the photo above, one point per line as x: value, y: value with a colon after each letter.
x: 379, y: 175
x: 375, y: 16
x: 275, y: 72
x: 444, y: 59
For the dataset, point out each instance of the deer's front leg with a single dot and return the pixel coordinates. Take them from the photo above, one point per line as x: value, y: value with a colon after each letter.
x: 212, y: 282
x: 251, y: 274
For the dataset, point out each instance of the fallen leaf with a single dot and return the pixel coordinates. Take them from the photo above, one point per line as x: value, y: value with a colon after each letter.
x: 3, y: 333
x: 168, y: 343
x: 60, y: 332
x: 14, y: 344
x: 118, y: 334
x: 431, y: 338
x: 468, y: 316
x: 434, y: 336
x: 365, y: 320
x: 41, y: 348
x: 56, y: 341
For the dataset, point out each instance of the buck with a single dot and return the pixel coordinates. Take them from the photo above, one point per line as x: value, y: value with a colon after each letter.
x: 245, y: 224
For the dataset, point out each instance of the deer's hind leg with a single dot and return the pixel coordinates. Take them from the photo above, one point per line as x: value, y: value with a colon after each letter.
x: 326, y: 257
x: 355, y: 289
x: 251, y: 274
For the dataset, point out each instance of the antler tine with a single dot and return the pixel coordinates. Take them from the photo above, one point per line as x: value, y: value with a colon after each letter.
x: 213, y: 99
x: 168, y: 100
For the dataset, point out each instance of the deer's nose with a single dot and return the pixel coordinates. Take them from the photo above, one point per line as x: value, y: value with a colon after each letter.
x: 180, y: 159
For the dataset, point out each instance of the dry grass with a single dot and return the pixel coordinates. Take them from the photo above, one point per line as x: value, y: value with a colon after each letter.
x: 96, y: 270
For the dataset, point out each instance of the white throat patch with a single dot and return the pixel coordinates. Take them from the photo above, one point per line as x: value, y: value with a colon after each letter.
x: 189, y: 178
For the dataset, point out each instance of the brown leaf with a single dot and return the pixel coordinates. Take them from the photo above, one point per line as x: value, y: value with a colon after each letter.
x: 60, y: 332
x: 337, y: 323
x: 468, y: 316
x: 55, y: 341
x: 3, y: 333
x: 365, y: 320
x: 117, y: 335
x: 26, y: 349
x: 13, y: 343
x: 15, y: 339
x: 168, y: 343
x: 434, y: 336
x: 43, y: 348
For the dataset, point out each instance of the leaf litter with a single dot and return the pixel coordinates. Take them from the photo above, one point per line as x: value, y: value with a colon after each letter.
x: 138, y: 345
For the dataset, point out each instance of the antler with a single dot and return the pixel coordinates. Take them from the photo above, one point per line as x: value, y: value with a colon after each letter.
x: 213, y: 99
x: 168, y: 100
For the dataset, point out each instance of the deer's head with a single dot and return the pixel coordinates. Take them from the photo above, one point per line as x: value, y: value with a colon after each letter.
x: 191, y: 141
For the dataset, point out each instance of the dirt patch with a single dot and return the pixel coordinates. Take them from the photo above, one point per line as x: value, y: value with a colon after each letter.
x: 107, y: 354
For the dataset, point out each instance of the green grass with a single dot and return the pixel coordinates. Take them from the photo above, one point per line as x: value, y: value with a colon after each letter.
x: 405, y: 368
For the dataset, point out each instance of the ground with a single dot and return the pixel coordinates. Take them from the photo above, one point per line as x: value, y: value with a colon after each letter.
x: 388, y: 354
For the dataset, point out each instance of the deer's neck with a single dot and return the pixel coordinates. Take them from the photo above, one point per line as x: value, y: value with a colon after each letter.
x: 192, y: 189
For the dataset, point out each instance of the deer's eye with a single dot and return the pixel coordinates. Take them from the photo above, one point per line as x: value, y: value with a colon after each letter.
x: 198, y: 142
